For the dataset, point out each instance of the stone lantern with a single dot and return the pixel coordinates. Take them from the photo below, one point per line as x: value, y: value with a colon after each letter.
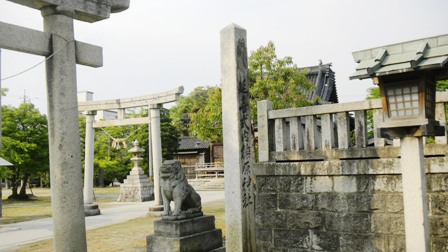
x: 406, y: 74
x: 408, y: 105
x: 136, y: 186
x: 136, y: 150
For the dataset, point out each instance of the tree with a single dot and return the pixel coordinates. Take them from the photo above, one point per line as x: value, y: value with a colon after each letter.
x: 206, y: 124
x: 181, y: 113
x: 170, y: 135
x: 3, y: 171
x: 442, y: 86
x: 25, y: 144
x: 276, y: 80
x: 114, y: 163
x: 111, y: 161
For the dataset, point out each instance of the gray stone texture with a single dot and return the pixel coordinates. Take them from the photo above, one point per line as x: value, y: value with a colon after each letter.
x: 136, y: 187
x: 238, y: 153
x: 184, y: 227
x: 196, y: 234
x: 339, y: 212
x: 91, y: 210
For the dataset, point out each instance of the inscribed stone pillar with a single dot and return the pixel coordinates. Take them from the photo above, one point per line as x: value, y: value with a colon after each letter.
x: 239, y: 204
x: 63, y: 133
x: 156, y: 150
x: 414, y: 194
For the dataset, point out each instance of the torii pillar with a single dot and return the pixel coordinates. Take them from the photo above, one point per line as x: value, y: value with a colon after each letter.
x: 57, y: 41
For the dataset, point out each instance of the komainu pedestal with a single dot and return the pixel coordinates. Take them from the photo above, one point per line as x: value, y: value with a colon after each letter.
x: 195, y: 234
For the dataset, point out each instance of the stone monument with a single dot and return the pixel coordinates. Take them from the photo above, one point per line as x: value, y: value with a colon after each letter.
x: 239, y: 195
x: 185, y: 228
x: 136, y: 186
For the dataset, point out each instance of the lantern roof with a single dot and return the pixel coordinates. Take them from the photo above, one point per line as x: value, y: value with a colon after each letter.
x: 422, y: 54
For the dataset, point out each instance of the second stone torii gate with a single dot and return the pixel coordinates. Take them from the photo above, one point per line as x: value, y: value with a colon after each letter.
x: 153, y: 103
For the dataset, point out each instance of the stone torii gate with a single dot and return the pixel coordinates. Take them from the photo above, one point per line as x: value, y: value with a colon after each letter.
x: 57, y: 43
x: 153, y: 103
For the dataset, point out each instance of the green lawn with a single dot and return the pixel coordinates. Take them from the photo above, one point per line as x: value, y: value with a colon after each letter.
x: 39, y: 204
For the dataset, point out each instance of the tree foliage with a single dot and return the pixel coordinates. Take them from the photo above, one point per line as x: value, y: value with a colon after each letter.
x: 206, y: 123
x: 276, y: 80
x: 181, y: 113
x: 442, y: 86
x: 25, y: 144
x: 114, y: 163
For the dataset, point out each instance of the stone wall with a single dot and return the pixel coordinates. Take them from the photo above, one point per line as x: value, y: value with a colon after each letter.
x: 342, y: 205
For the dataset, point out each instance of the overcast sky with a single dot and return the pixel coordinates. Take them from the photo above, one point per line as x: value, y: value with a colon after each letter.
x: 158, y: 45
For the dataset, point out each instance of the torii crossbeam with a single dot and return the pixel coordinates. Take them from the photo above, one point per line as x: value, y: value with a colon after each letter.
x: 57, y: 41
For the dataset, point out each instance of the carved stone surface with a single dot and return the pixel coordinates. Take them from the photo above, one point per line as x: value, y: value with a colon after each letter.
x: 239, y: 203
x: 174, y: 187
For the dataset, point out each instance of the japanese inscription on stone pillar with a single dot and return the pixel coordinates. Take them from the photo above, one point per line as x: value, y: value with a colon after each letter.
x: 244, y: 111
x: 237, y: 141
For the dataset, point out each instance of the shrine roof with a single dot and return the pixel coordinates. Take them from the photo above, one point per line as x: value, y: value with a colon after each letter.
x: 192, y: 143
x: 422, y: 54
x: 324, y: 80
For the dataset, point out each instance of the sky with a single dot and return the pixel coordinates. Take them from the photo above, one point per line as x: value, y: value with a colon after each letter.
x: 159, y: 45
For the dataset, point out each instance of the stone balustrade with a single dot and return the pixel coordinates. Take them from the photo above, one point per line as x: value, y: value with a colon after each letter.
x: 325, y: 132
x: 321, y: 184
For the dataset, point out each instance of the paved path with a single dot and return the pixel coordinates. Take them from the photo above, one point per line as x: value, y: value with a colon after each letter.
x: 14, y: 235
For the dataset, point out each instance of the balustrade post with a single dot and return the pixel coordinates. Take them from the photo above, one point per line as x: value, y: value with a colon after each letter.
x: 441, y: 117
x: 327, y: 125
x: 377, y: 118
x: 361, y: 128
x: 296, y: 133
x: 263, y: 107
x: 343, y: 126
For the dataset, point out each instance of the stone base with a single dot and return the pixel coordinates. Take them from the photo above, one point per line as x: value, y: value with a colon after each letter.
x: 182, y: 216
x: 136, y: 187
x: 156, y: 208
x: 91, y: 210
x: 155, y: 211
x: 196, y: 234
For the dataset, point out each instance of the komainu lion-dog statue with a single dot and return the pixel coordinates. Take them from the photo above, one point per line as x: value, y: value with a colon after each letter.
x: 174, y: 187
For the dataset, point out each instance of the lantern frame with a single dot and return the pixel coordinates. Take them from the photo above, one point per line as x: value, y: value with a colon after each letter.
x: 408, y: 102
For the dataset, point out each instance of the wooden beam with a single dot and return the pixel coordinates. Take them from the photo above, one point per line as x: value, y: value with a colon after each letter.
x: 21, y: 39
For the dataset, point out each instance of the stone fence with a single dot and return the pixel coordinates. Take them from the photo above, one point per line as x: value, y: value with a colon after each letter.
x: 325, y: 132
x: 320, y: 186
